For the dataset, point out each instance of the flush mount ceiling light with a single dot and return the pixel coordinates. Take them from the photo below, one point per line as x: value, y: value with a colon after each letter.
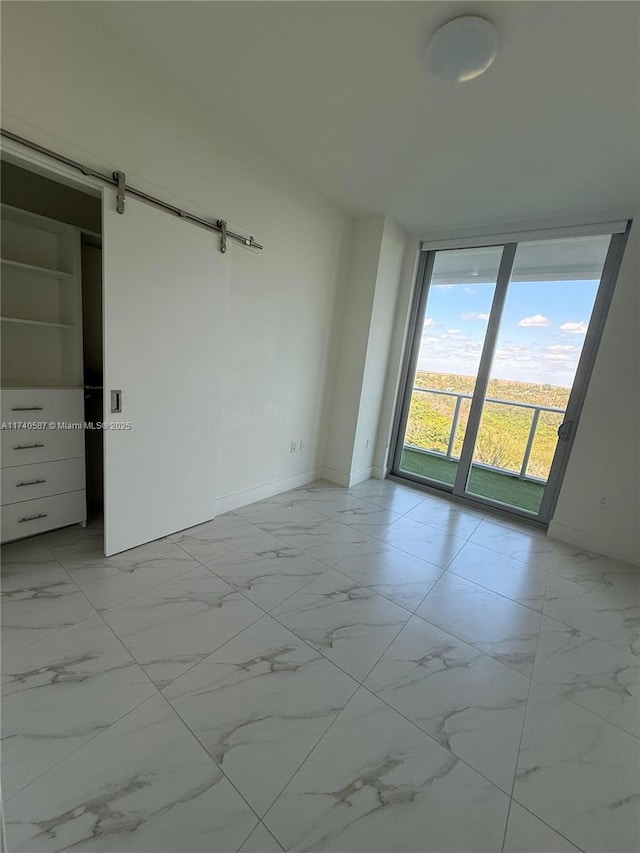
x: 462, y: 49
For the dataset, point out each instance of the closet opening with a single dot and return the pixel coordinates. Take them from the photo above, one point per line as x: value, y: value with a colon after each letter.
x: 52, y: 355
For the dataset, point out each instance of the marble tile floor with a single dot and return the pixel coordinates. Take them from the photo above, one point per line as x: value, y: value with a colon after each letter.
x: 359, y: 670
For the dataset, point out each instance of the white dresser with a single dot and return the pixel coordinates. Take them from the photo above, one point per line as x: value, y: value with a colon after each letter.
x: 43, y: 468
x: 43, y: 463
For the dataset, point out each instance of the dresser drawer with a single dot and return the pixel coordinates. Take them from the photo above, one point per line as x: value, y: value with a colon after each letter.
x: 36, y: 516
x: 42, y: 404
x: 25, y: 447
x: 26, y: 482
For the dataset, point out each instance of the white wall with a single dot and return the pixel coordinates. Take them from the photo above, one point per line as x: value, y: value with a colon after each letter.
x: 67, y: 87
x: 351, y: 336
x: 392, y: 390
x: 363, y: 333
x: 605, y: 460
x: 367, y: 451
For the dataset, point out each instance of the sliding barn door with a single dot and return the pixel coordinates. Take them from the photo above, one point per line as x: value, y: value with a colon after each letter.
x: 166, y: 290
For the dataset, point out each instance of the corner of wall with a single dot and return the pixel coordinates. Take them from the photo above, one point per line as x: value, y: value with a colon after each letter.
x: 340, y: 478
x: 349, y: 343
x: 396, y: 354
x: 373, y: 319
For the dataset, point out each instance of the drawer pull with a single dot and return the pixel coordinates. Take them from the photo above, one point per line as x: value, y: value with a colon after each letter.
x: 27, y: 446
x: 30, y: 483
x: 32, y: 517
x: 27, y: 409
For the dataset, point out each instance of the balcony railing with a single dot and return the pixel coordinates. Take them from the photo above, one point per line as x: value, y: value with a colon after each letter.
x: 537, y: 409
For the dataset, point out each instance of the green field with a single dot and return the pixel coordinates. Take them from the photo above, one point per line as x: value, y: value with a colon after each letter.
x: 489, y: 484
x: 504, y: 429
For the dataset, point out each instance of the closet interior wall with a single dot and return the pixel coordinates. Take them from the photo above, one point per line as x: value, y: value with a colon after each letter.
x: 71, y: 465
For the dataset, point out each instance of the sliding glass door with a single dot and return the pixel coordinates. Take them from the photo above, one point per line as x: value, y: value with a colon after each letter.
x: 503, y: 340
x: 448, y: 361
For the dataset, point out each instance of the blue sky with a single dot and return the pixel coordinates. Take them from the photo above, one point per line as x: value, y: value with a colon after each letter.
x: 540, y: 339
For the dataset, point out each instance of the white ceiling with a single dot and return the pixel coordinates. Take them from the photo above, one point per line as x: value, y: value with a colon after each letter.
x: 337, y: 91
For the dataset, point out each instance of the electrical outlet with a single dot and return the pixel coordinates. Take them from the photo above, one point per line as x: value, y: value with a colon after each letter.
x: 303, y: 444
x: 293, y: 447
x: 603, y: 501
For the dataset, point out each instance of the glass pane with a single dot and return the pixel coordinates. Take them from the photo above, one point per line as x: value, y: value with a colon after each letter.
x: 544, y: 445
x: 452, y: 336
x: 546, y: 315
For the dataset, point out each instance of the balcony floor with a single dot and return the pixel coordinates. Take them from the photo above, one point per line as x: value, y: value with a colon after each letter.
x: 489, y: 484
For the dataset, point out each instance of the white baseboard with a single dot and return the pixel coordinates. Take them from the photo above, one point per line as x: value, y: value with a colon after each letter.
x: 624, y: 551
x: 343, y: 479
x: 360, y: 476
x: 268, y: 490
x: 333, y: 476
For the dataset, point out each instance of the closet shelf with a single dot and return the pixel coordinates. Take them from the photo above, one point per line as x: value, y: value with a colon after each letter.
x: 36, y: 322
x: 41, y: 364
x: 32, y: 268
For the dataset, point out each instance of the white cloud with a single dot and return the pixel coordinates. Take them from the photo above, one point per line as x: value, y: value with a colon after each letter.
x: 562, y: 348
x: 559, y: 357
x: 514, y: 360
x: 453, y: 331
x: 514, y: 352
x: 426, y: 340
x: 534, y: 321
x: 574, y: 328
x: 474, y: 316
x: 429, y: 321
x: 561, y: 354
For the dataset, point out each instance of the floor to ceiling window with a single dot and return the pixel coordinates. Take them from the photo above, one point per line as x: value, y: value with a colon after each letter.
x: 503, y: 338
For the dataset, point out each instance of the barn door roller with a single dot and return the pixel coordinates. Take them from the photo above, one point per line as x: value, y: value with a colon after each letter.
x: 120, y: 179
x: 222, y: 225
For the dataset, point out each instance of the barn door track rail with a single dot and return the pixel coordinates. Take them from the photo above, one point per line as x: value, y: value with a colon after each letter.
x: 118, y: 180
